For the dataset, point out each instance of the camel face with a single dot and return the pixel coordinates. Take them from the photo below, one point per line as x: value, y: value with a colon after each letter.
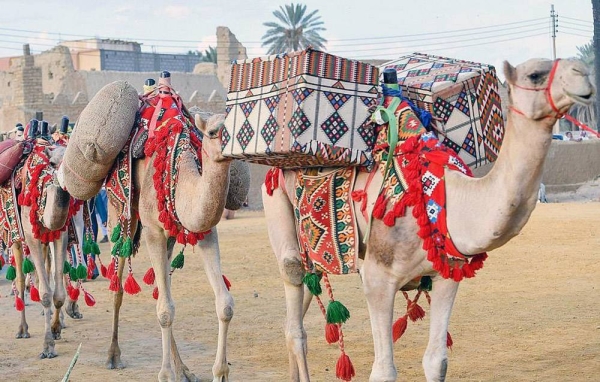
x: 531, y: 82
x: 56, y: 155
x: 211, y: 126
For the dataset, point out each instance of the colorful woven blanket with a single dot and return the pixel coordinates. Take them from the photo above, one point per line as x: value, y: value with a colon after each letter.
x: 10, y: 220
x: 325, y: 220
x: 38, y: 175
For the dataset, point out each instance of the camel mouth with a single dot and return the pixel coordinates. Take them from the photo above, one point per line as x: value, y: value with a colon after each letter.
x: 581, y: 99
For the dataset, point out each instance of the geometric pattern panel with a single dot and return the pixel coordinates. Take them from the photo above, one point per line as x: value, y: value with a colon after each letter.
x: 244, y: 136
x: 269, y: 130
x: 334, y: 127
x: 299, y: 123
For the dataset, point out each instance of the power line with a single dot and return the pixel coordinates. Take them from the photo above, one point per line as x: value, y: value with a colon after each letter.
x: 577, y: 24
x: 577, y: 34
x: 571, y: 18
x: 577, y: 29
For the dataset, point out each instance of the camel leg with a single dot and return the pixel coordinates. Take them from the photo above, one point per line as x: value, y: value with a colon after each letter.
x: 156, y: 244
x: 282, y: 235
x: 57, y: 255
x: 380, y: 290
x: 435, y: 360
x: 17, y: 252
x: 209, y: 248
x: 114, y: 351
x: 45, y: 291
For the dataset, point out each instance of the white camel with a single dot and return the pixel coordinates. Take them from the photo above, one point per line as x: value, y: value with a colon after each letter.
x: 482, y: 214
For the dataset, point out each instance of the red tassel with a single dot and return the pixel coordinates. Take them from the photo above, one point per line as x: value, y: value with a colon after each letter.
x: 34, y: 293
x: 415, y: 312
x: 2, y: 262
x: 389, y: 219
x: 227, y: 282
x: 111, y: 269
x: 399, y: 328
x: 19, y: 304
x: 468, y: 270
x: 115, y: 283
x: 149, y: 277
x: 379, y: 208
x: 449, y: 341
x: 192, y: 239
x: 344, y: 369
x: 457, y: 273
x: 445, y: 271
x: 332, y: 333
x: 131, y: 286
x: 90, y: 272
x: 181, y: 238
x: 89, y: 299
x: 155, y: 293
x: 103, y: 271
x: 74, y: 294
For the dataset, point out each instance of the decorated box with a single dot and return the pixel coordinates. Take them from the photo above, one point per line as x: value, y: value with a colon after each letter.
x: 300, y: 109
x: 463, y: 98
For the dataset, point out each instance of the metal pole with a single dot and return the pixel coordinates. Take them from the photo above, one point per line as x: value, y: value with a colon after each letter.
x: 554, y: 18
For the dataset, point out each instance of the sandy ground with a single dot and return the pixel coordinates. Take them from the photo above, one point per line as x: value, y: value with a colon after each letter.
x: 532, y: 314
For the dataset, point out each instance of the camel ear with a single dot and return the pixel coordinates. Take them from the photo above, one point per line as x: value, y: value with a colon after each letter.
x: 510, y: 73
x: 200, y: 123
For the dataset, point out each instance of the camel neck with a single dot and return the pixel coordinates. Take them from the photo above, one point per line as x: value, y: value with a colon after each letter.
x: 485, y: 213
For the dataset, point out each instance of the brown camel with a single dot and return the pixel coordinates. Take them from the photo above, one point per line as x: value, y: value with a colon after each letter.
x: 482, y: 214
x: 199, y: 202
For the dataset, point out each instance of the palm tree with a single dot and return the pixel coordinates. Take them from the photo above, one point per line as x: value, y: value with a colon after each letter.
x: 296, y: 31
x: 585, y: 113
x: 210, y: 55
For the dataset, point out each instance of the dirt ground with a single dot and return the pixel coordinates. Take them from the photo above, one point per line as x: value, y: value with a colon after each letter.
x: 532, y: 314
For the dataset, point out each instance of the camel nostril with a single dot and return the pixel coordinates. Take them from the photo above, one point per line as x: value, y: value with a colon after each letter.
x: 581, y: 71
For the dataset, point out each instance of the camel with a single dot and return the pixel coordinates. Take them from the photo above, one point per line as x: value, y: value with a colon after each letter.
x: 199, y: 202
x: 482, y: 214
x: 54, y: 218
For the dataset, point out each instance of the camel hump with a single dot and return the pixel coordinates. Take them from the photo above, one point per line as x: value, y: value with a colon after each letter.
x: 239, y: 185
x: 99, y: 135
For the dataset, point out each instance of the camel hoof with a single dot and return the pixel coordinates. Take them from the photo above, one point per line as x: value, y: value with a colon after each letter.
x: 113, y: 364
x: 56, y: 336
x: 188, y: 376
x: 22, y: 335
x: 47, y: 354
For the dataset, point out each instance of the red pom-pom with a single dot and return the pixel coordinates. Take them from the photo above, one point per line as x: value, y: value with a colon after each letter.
x: 103, y: 271
x: 74, y: 294
x: 399, y: 328
x: 457, y: 273
x: 69, y: 288
x: 468, y: 270
x: 181, y: 238
x: 131, y: 286
x: 19, y: 304
x: 155, y: 293
x: 89, y: 299
x: 115, y: 283
x: 332, y: 333
x: 445, y: 271
x: 389, y: 219
x: 192, y: 238
x: 415, y: 312
x: 227, y: 282
x: 379, y: 208
x: 2, y: 262
x: 449, y: 341
x: 111, y: 269
x: 34, y: 293
x: 149, y: 277
x: 344, y: 369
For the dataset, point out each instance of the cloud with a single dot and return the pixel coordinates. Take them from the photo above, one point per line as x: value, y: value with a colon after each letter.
x: 174, y: 11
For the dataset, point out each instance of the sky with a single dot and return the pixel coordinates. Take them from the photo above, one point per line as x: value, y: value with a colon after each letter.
x: 476, y: 30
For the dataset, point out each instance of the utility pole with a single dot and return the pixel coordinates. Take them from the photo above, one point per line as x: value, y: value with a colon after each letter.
x: 554, y: 17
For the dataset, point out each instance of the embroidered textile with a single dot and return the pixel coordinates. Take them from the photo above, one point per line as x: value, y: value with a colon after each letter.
x: 325, y: 219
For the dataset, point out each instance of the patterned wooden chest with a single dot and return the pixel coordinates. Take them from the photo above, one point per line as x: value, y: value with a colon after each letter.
x: 301, y: 109
x: 463, y: 98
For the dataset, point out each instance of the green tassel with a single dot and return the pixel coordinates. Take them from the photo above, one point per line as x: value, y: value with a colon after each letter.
x: 73, y: 273
x: 95, y: 248
x: 178, y: 260
x: 116, y: 247
x: 86, y: 246
x: 426, y: 284
x: 313, y: 283
x: 27, y: 266
x: 66, y: 267
x: 126, y: 248
x: 81, y: 272
x: 11, y: 273
x: 337, y: 313
x: 116, y: 233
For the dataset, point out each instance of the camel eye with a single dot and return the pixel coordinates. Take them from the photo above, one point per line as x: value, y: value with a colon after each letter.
x: 535, y: 77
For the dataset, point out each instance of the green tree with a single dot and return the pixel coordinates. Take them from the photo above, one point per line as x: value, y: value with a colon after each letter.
x: 585, y: 113
x: 296, y: 30
x: 586, y: 54
x: 209, y: 55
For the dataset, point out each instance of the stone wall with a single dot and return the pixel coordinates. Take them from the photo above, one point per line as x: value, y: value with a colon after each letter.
x: 228, y: 49
x: 571, y: 164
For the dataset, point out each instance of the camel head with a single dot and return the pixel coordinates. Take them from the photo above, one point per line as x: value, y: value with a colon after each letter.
x: 541, y: 88
x: 211, y: 126
x: 56, y: 154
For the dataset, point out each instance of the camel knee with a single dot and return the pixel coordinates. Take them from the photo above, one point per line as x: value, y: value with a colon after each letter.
x: 225, y: 313
x: 293, y: 271
x: 165, y: 317
x: 46, y: 300
x: 296, y: 341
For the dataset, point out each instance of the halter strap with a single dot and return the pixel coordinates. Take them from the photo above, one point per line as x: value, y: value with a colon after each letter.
x: 547, y: 91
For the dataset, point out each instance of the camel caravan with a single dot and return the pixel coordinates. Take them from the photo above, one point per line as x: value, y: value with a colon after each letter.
x: 371, y: 173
